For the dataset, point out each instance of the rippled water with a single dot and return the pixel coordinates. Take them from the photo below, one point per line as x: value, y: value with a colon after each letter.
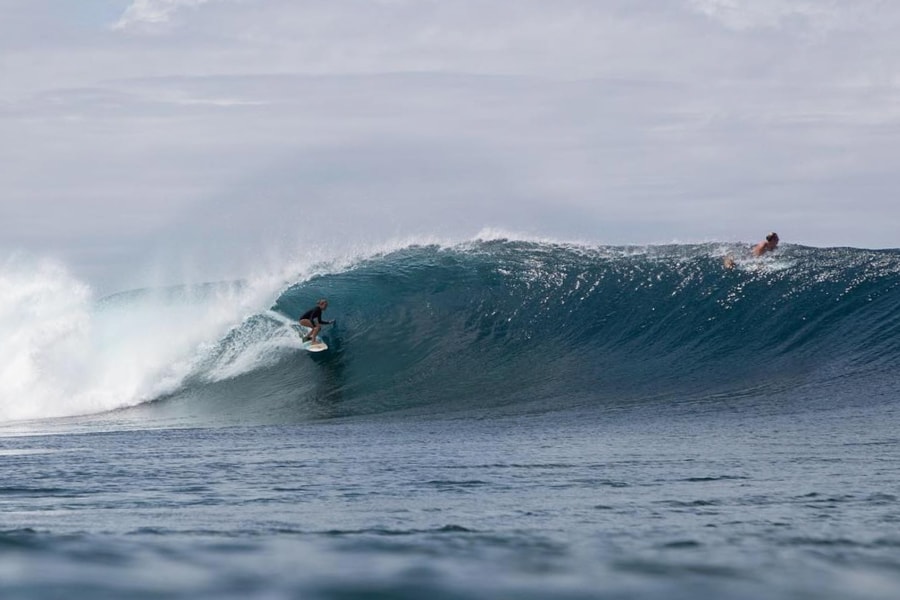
x: 669, y: 503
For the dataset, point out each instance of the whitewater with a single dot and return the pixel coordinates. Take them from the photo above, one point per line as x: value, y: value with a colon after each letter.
x: 496, y: 417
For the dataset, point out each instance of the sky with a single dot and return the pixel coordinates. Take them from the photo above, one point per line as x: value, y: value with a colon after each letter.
x: 206, y: 134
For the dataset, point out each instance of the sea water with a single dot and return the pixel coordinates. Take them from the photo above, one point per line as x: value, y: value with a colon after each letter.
x: 494, y: 420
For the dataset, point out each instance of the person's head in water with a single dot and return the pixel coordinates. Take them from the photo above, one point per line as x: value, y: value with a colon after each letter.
x: 772, y: 240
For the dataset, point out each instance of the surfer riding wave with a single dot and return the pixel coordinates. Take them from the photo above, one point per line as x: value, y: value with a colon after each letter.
x: 314, y: 321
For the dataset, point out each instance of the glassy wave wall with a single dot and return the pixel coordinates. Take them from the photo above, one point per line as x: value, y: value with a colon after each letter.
x: 499, y: 327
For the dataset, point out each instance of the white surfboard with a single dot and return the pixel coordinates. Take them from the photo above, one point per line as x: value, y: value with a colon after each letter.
x: 319, y: 346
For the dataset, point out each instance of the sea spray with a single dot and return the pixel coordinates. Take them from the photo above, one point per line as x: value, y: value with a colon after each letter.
x: 65, y: 352
x: 44, y: 324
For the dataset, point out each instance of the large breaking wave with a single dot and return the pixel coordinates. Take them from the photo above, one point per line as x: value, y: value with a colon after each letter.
x: 480, y: 328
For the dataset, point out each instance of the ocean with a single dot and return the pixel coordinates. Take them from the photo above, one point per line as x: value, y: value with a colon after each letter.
x: 493, y: 419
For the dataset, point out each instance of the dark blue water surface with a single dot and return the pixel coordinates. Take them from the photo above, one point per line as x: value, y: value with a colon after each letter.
x: 679, y: 504
x: 499, y: 420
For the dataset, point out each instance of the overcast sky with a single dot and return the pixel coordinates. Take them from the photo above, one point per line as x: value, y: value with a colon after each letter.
x: 142, y: 132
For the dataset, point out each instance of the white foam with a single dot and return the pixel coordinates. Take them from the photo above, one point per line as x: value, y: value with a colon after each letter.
x: 65, y: 353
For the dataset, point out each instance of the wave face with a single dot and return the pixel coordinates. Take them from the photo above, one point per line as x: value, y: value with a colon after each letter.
x: 482, y: 328
x: 496, y: 327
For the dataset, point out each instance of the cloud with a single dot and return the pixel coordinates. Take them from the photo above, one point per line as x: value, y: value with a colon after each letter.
x: 616, y: 121
x: 813, y: 16
x: 144, y: 14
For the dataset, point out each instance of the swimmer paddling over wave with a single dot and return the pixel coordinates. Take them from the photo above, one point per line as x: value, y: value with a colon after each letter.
x: 767, y: 245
